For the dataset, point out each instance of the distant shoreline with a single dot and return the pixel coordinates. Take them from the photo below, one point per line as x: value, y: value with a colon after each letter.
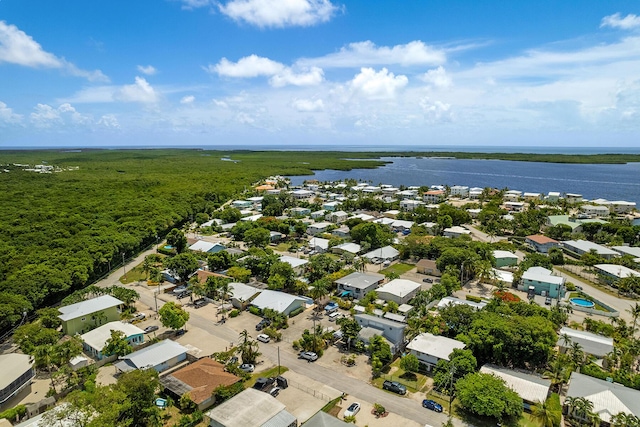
x: 573, y: 158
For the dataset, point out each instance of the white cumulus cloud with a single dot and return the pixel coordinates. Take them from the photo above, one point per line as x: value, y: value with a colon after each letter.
x: 278, y: 13
x: 435, y: 111
x: 249, y: 66
x: 366, y: 53
x: 616, y: 20
x: 377, y: 85
x: 437, y: 78
x: 308, y: 105
x: 187, y: 99
x: 17, y: 47
x: 148, y: 70
x: 287, y: 76
x: 140, y: 91
x: 7, y: 115
x: 109, y: 121
x: 46, y: 116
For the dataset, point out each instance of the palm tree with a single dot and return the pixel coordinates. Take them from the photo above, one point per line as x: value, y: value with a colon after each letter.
x: 635, y: 313
x: 580, y: 408
x: 577, y: 355
x: 545, y: 415
x: 558, y: 374
x: 319, y: 291
x: 622, y: 419
x: 44, y: 355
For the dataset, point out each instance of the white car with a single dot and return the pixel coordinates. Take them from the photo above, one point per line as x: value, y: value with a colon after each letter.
x: 263, y: 338
x: 352, y: 410
x: 247, y: 367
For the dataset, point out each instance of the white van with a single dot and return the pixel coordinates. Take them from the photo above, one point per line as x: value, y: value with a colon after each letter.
x: 333, y: 316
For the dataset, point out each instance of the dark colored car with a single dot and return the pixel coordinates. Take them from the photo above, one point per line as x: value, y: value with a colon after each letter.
x: 183, y: 294
x: 394, y: 387
x: 180, y: 332
x: 263, y: 324
x: 200, y: 302
x: 263, y: 383
x: 427, y: 280
x: 432, y: 404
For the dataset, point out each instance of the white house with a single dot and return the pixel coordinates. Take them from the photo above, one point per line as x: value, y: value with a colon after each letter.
x: 580, y: 247
x: 318, y: 228
x: 460, y: 191
x: 398, y: 290
x: 94, y: 341
x: 337, y: 217
x: 296, y: 263
x: 456, y: 231
x: 251, y: 408
x: 387, y: 253
x: 241, y: 295
x: 391, y: 330
x: 319, y: 244
x: 429, y: 348
x: 207, y: 247
x: 352, y: 248
x: 279, y: 301
x: 593, y: 344
x: 159, y: 356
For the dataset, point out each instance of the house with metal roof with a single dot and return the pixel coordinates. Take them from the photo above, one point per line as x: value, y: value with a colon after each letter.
x: 456, y: 231
x: 613, y: 272
x: 159, y: 356
x: 16, y: 374
x: 359, y: 284
x: 593, y: 344
x: 573, y: 222
x: 531, y: 388
x: 505, y: 258
x: 608, y: 398
x: 281, y: 302
x: 580, y: 247
x: 94, y: 341
x: 352, y: 248
x: 251, y: 408
x: 319, y: 244
x: 198, y: 380
x: 429, y: 348
x: 207, y: 247
x: 323, y: 419
x: 241, y: 295
x: 296, y: 263
x: 398, y: 290
x: 447, y: 301
x: 428, y: 266
x: 86, y: 315
x: 387, y: 253
x: 543, y: 282
x: 318, y: 228
x: 634, y: 251
x: 391, y: 330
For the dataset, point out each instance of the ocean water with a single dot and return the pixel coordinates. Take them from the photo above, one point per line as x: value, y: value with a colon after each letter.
x: 611, y: 182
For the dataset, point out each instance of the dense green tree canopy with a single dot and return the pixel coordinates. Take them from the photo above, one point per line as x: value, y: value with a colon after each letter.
x: 172, y: 315
x: 487, y: 395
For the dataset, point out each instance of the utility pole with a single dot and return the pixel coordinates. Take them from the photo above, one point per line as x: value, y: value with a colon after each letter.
x: 278, y: 360
x: 123, y: 266
x: 453, y: 371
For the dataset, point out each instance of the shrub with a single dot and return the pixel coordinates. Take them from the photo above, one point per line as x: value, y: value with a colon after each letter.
x: 378, y: 409
x: 165, y: 251
x: 272, y: 333
x: 296, y: 311
x: 507, y: 296
x: 473, y: 298
x: 350, y: 419
x: 10, y: 414
x: 234, y: 313
x: 571, y: 287
x: 255, y: 310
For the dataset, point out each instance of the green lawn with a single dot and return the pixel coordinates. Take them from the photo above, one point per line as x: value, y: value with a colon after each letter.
x: 413, y: 386
x: 399, y: 268
x: 134, y: 275
x: 272, y: 372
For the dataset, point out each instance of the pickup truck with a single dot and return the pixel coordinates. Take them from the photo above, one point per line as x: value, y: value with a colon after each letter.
x: 394, y: 387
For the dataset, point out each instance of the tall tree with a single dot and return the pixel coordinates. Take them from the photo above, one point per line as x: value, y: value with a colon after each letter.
x: 172, y: 315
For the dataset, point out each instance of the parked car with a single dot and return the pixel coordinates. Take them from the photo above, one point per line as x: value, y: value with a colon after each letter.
x: 200, y: 302
x: 263, y: 338
x: 247, y: 367
x: 308, y: 355
x: 352, y: 410
x: 233, y: 359
x: 263, y: 383
x: 150, y: 329
x: 427, y: 280
x: 183, y: 294
x: 263, y: 324
x: 275, y: 391
x: 180, y: 332
x: 432, y: 404
x: 180, y: 289
x: 138, y: 317
x: 394, y: 387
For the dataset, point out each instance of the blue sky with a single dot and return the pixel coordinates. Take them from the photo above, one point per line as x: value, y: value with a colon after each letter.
x: 319, y: 72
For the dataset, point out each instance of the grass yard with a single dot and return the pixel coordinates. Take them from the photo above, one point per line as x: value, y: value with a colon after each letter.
x: 136, y: 274
x: 399, y: 375
x: 399, y: 268
x: 272, y: 372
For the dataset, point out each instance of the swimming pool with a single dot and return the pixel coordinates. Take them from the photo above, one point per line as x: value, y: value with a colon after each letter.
x: 581, y: 302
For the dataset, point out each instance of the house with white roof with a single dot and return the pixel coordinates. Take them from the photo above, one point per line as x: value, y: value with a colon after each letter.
x: 359, y: 284
x: 389, y: 329
x: 318, y: 214
x: 512, y: 195
x: 387, y: 253
x: 279, y: 301
x: 410, y: 205
x: 461, y: 191
x: 634, y: 251
x: 296, y: 263
x: 621, y: 206
x: 398, y: 290
x: 595, y: 210
x: 532, y: 196
x: 553, y: 196
x: 83, y: 316
x: 94, y: 341
x: 580, y: 247
x: 301, y: 194
x: 342, y: 232
x: 159, y: 356
x: 543, y: 282
x: 456, y: 231
x: 16, y: 374
x: 429, y: 348
x: 298, y: 212
x: 573, y: 198
x: 241, y: 294
x: 505, y: 258
x: 447, y: 301
x: 613, y: 272
x: 331, y: 206
x: 337, y: 217
x: 319, y: 244
x: 531, y: 388
x: 594, y: 344
x: 365, y: 217
x: 352, y: 248
x: 608, y: 398
x: 207, y: 247
x: 475, y: 193
x: 318, y: 228
x: 251, y: 408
